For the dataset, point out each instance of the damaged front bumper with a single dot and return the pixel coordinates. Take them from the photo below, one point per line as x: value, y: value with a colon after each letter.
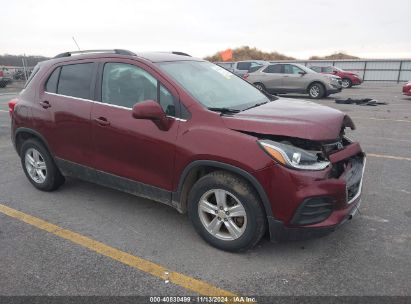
x: 320, y: 202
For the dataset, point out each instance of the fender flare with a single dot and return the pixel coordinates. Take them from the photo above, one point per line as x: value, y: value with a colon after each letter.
x: 219, y: 165
x: 30, y: 131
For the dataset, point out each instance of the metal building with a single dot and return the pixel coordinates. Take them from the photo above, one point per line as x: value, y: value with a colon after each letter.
x: 397, y: 70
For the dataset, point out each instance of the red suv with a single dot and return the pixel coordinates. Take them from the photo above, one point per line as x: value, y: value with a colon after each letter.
x: 349, y: 79
x: 187, y: 133
x: 406, y: 89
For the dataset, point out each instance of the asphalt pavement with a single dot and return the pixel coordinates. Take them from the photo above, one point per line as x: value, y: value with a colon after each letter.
x: 370, y: 255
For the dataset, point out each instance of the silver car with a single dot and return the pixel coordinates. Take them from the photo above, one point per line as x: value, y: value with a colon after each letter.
x: 242, y: 67
x: 293, y: 78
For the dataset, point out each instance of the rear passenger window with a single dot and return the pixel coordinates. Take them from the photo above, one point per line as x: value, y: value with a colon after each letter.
x: 275, y: 68
x: 243, y: 65
x: 75, y: 80
x: 51, y: 85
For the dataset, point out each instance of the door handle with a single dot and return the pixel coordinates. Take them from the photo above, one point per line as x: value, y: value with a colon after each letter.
x: 102, y: 121
x: 45, y: 104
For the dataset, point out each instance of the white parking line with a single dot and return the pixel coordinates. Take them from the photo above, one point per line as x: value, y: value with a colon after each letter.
x: 382, y: 119
x: 389, y: 156
x: 5, y: 111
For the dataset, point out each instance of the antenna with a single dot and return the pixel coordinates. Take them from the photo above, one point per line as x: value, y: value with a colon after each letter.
x: 76, y: 43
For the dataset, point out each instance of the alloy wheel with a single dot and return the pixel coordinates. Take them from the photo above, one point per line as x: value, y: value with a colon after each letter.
x: 315, y: 91
x: 345, y: 83
x: 35, y: 165
x: 260, y: 87
x: 222, y: 214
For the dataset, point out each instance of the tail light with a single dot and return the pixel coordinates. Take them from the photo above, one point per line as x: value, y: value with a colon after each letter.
x: 245, y: 76
x: 12, y: 104
x: 1, y: 74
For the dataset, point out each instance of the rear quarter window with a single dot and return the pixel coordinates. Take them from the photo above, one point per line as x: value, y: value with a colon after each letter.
x: 75, y: 80
x: 51, y: 84
x: 35, y: 70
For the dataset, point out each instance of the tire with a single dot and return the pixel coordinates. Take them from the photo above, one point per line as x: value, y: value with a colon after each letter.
x: 346, y: 83
x: 39, y: 166
x: 239, y: 197
x: 316, y: 90
x: 3, y: 84
x: 260, y: 86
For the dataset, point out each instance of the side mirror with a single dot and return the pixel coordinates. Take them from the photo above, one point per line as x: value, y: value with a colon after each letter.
x: 335, y: 72
x: 151, y: 110
x: 302, y: 73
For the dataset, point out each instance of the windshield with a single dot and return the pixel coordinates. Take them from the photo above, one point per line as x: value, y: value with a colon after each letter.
x: 213, y: 86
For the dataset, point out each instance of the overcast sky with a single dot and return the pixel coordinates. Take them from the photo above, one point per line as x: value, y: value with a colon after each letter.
x: 366, y: 28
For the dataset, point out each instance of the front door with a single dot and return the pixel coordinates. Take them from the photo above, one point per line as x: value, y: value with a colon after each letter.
x: 293, y: 80
x: 135, y: 149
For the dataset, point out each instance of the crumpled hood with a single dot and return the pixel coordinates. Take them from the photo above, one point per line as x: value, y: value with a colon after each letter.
x: 293, y: 118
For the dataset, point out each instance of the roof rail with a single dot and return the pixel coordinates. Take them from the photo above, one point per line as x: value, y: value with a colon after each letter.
x: 180, y: 53
x: 114, y: 51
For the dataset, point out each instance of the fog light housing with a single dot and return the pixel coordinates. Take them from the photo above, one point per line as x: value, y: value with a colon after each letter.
x: 313, y: 210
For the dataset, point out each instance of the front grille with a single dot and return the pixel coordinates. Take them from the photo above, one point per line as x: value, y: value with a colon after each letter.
x: 353, y: 177
x: 313, y: 210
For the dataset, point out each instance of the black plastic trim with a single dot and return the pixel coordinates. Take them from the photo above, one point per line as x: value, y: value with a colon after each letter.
x: 281, y: 233
x: 102, y: 178
x: 33, y: 132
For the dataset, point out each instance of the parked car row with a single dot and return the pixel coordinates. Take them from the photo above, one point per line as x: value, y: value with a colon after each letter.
x: 5, y: 77
x: 349, y: 79
x: 240, y: 68
x: 293, y: 77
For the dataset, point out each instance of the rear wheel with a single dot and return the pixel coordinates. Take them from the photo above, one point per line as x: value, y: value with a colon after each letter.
x: 226, y: 212
x: 39, y: 166
x: 346, y: 83
x: 260, y: 86
x: 316, y: 90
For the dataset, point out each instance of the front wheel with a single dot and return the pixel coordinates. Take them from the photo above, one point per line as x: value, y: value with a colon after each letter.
x: 316, y: 91
x: 346, y: 83
x: 226, y: 212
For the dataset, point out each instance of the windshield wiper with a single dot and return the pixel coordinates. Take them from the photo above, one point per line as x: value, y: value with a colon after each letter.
x: 256, y: 105
x: 224, y: 110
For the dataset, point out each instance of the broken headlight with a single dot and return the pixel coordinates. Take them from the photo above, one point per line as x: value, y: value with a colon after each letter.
x: 292, y: 157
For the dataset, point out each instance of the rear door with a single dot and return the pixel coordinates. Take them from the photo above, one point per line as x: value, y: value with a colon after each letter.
x: 131, y: 148
x: 272, y: 77
x: 293, y: 81
x: 62, y: 115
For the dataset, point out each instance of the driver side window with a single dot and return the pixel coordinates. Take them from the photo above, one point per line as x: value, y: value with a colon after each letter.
x: 125, y: 85
x: 291, y: 69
